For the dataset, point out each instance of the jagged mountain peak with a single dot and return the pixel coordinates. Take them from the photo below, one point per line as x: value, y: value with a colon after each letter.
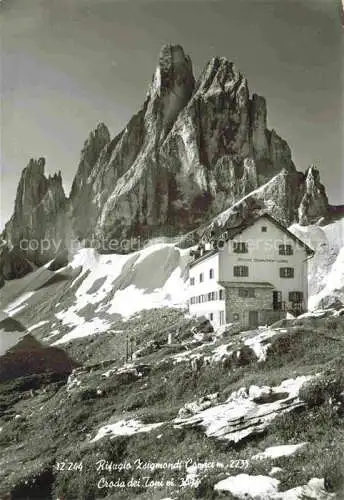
x: 39, y: 213
x: 312, y: 175
x: 35, y: 165
x: 192, y: 150
x: 219, y: 74
x: 102, y: 130
x: 174, y: 69
x: 314, y: 203
x: 34, y: 184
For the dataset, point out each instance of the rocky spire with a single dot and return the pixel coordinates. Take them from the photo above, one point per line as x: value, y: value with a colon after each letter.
x: 171, y: 88
x: 314, y: 203
x: 39, y: 212
x: 93, y: 146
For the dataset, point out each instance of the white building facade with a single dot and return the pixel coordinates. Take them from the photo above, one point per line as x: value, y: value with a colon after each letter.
x: 253, y: 276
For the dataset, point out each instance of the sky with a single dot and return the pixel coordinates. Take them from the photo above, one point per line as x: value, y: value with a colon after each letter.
x: 67, y: 65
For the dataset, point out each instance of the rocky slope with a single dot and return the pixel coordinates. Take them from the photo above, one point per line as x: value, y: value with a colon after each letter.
x: 254, y: 415
x: 194, y: 149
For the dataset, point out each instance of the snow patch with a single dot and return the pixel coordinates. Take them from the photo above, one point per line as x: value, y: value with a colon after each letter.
x: 124, y: 428
x: 314, y: 489
x: 244, y: 486
x: 37, y: 325
x: 221, y: 352
x: 18, y: 304
x: 84, y: 329
x: 173, y: 293
x: 125, y: 284
x: 279, y: 451
x: 258, y: 343
x: 326, y: 267
x: 275, y: 470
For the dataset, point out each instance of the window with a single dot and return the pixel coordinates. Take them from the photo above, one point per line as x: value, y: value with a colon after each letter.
x: 285, y: 250
x: 209, y: 296
x: 286, y: 272
x: 211, y: 273
x: 201, y: 278
x: 222, y: 295
x: 264, y: 229
x: 192, y: 281
x: 295, y: 296
x: 240, y: 271
x: 247, y: 292
x: 240, y: 247
x: 211, y: 316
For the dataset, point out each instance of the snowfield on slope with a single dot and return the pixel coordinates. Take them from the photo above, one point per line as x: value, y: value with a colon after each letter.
x: 96, y: 290
x: 125, y: 285
x: 326, y: 267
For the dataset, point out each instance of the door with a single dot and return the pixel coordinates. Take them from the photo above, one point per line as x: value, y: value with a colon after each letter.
x: 253, y: 319
x: 222, y: 317
x: 277, y: 300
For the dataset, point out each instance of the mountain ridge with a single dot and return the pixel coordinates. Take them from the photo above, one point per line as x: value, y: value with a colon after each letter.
x: 193, y: 150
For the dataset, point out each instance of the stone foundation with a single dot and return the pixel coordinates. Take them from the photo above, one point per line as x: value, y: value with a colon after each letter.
x: 238, y: 308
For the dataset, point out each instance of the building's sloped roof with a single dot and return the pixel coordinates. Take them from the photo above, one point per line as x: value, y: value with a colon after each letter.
x: 232, y: 232
x: 235, y: 231
x: 205, y: 255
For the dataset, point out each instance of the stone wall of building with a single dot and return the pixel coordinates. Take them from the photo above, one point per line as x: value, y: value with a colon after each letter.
x: 238, y: 308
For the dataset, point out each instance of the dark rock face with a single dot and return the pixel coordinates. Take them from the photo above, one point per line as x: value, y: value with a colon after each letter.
x: 30, y: 357
x: 13, y: 264
x: 279, y: 197
x: 81, y: 192
x: 39, y: 214
x: 193, y: 150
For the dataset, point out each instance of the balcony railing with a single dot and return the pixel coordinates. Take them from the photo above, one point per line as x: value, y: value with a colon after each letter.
x: 292, y: 307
